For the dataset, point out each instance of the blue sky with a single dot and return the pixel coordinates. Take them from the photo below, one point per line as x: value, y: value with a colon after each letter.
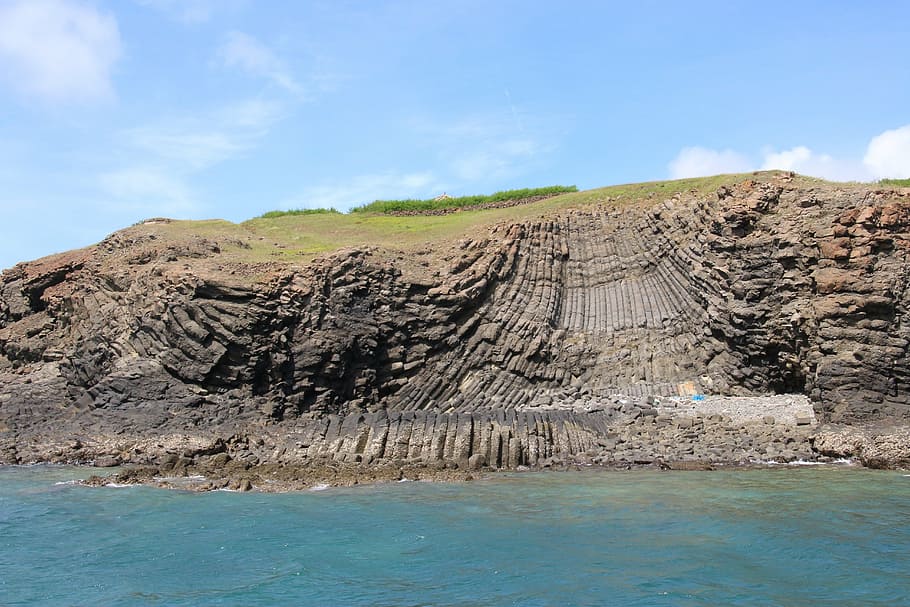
x: 113, y: 112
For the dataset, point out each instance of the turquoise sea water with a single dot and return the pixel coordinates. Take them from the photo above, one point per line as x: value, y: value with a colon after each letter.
x: 820, y: 537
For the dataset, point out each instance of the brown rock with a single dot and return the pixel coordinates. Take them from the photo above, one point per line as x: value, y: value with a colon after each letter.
x: 838, y: 248
x: 106, y: 461
x: 836, y: 280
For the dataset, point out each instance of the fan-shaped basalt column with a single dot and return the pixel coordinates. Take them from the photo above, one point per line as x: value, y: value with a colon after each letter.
x: 598, y: 298
x: 768, y: 286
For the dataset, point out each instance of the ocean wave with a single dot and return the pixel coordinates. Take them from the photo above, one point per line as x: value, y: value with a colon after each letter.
x: 320, y: 487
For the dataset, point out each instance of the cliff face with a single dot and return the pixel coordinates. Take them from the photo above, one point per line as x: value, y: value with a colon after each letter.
x: 773, y: 285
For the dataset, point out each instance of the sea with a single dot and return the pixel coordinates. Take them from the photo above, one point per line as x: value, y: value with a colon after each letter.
x: 789, y: 536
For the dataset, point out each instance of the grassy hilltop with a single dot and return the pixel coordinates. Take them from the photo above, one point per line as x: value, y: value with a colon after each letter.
x: 298, y: 236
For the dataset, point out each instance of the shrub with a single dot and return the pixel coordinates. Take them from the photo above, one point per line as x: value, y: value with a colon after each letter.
x: 392, y: 206
x: 905, y: 183
x: 320, y: 211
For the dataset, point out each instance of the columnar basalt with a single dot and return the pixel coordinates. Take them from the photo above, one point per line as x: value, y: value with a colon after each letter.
x: 494, y: 347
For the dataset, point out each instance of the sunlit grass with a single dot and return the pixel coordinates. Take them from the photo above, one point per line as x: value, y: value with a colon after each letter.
x: 299, y: 236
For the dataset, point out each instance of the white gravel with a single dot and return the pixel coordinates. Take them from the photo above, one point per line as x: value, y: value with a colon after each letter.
x: 789, y: 409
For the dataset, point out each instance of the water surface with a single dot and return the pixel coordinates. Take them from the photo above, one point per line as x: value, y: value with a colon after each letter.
x: 820, y: 537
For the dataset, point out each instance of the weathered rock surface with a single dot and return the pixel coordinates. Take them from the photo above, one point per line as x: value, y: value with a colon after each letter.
x: 501, y: 350
x: 874, y: 445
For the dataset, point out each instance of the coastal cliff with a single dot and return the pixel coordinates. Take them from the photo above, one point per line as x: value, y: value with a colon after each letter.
x: 567, y: 328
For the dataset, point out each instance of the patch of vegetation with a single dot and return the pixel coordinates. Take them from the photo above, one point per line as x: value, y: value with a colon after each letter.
x: 433, y: 204
x: 289, y: 238
x: 900, y: 183
x: 320, y: 211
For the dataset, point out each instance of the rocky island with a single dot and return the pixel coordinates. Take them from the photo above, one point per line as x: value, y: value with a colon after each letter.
x: 734, y: 320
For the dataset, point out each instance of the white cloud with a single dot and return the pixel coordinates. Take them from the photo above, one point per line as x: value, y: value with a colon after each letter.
x: 481, y: 148
x: 788, y: 160
x: 150, y: 190
x: 888, y: 154
x: 494, y: 161
x: 702, y: 162
x: 244, y: 52
x: 803, y: 160
x: 187, y: 11
x: 364, y: 189
x: 254, y: 114
x: 58, y: 50
x: 162, y: 158
x: 194, y: 143
x: 195, y: 150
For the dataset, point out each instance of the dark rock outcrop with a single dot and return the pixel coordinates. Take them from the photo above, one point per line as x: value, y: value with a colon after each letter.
x: 488, y: 349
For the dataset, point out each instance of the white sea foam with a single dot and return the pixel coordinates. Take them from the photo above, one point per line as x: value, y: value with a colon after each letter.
x: 74, y: 481
x: 320, y: 487
x: 802, y: 462
x: 119, y: 485
x: 837, y: 462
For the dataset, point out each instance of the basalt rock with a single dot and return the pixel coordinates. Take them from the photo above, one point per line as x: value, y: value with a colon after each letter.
x: 508, y: 348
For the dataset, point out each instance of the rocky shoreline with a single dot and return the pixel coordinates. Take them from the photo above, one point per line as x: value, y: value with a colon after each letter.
x: 573, y: 334
x: 667, y: 434
x: 875, y: 448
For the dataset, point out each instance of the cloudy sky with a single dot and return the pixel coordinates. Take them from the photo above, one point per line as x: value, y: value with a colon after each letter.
x: 116, y: 111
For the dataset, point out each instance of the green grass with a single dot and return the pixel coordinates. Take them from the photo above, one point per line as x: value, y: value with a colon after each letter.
x: 288, y: 237
x: 319, y: 211
x: 308, y: 235
x: 901, y: 183
x: 396, y: 206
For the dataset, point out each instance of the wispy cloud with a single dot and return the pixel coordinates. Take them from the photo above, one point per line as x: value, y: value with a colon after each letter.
x: 886, y: 155
x: 482, y: 148
x: 151, y: 190
x: 166, y: 155
x: 362, y: 189
x: 58, y: 50
x: 196, y: 150
x: 256, y: 115
x: 499, y: 160
x: 198, y: 142
x: 246, y: 53
x: 190, y: 11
